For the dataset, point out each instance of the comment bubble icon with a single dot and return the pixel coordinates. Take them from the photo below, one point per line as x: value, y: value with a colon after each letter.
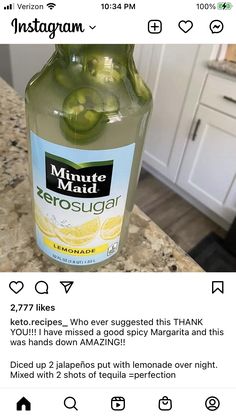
x: 41, y: 287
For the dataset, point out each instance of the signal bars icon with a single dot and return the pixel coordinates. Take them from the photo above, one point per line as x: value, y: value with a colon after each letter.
x: 51, y: 5
x: 9, y: 7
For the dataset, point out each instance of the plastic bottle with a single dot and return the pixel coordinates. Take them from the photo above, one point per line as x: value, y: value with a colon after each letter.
x: 87, y: 112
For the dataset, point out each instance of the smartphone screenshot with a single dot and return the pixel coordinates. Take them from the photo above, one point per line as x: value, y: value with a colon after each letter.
x: 117, y: 209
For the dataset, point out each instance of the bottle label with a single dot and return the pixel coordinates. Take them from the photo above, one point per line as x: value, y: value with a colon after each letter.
x: 79, y: 200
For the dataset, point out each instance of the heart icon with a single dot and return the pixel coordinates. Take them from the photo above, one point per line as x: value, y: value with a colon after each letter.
x: 16, y: 287
x: 185, y: 25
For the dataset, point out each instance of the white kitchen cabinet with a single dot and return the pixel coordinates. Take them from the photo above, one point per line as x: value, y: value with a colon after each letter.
x: 167, y: 69
x: 208, y: 170
x: 171, y: 71
x: 220, y: 93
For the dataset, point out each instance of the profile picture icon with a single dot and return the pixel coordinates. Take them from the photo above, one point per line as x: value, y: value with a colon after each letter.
x: 212, y: 403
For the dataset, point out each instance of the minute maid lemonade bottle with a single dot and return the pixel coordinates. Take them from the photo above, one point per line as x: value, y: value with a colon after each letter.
x: 87, y: 113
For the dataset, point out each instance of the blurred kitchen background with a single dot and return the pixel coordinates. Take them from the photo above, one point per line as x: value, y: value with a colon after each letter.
x: 188, y: 179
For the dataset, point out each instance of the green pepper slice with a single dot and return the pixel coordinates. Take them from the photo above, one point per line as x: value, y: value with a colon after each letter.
x: 82, y: 137
x: 83, y: 109
x: 111, y: 103
x: 104, y: 70
x: 62, y: 77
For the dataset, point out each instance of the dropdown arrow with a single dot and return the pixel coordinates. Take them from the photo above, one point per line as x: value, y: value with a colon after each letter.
x: 92, y: 27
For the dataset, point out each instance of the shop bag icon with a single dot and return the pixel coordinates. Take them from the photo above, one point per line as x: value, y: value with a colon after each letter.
x: 165, y: 403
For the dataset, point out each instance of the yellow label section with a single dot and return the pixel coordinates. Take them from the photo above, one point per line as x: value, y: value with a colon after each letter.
x: 76, y: 251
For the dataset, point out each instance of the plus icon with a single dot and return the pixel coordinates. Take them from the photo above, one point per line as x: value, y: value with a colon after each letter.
x: 154, y: 26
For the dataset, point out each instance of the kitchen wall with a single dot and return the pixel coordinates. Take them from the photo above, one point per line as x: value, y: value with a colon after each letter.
x: 26, y: 60
x: 5, y: 63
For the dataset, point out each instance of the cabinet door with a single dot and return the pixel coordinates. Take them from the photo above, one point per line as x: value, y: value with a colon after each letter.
x: 167, y: 69
x: 176, y: 75
x: 208, y: 170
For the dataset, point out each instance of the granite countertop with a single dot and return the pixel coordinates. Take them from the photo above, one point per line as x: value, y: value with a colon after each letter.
x: 223, y: 66
x: 148, y: 248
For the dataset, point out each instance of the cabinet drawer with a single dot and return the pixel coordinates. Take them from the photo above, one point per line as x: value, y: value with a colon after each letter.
x: 220, y: 93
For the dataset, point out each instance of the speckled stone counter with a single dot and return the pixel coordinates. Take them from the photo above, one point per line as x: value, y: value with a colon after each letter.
x: 148, y: 247
x: 223, y: 67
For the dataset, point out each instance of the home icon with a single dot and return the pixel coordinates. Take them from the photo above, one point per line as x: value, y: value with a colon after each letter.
x: 23, y: 404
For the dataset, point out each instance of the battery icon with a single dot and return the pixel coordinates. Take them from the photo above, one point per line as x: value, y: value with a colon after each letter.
x: 224, y: 6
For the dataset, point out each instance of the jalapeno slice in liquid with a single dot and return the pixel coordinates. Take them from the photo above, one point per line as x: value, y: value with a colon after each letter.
x: 62, y: 77
x: 111, y: 103
x: 76, y: 137
x: 83, y: 109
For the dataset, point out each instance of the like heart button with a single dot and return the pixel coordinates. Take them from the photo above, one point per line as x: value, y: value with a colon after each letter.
x: 16, y: 287
x: 185, y: 25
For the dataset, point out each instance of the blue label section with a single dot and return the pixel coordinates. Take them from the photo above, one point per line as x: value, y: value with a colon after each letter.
x: 79, y: 200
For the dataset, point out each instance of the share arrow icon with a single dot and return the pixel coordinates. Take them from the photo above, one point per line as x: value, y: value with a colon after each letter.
x: 67, y: 285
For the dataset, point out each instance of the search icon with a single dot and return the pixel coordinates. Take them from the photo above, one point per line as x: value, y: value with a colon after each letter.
x: 70, y: 403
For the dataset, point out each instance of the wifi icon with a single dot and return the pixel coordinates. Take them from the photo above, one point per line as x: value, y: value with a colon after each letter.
x: 51, y: 5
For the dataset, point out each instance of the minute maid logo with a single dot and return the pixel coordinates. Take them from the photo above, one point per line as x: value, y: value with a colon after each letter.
x: 85, y: 180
